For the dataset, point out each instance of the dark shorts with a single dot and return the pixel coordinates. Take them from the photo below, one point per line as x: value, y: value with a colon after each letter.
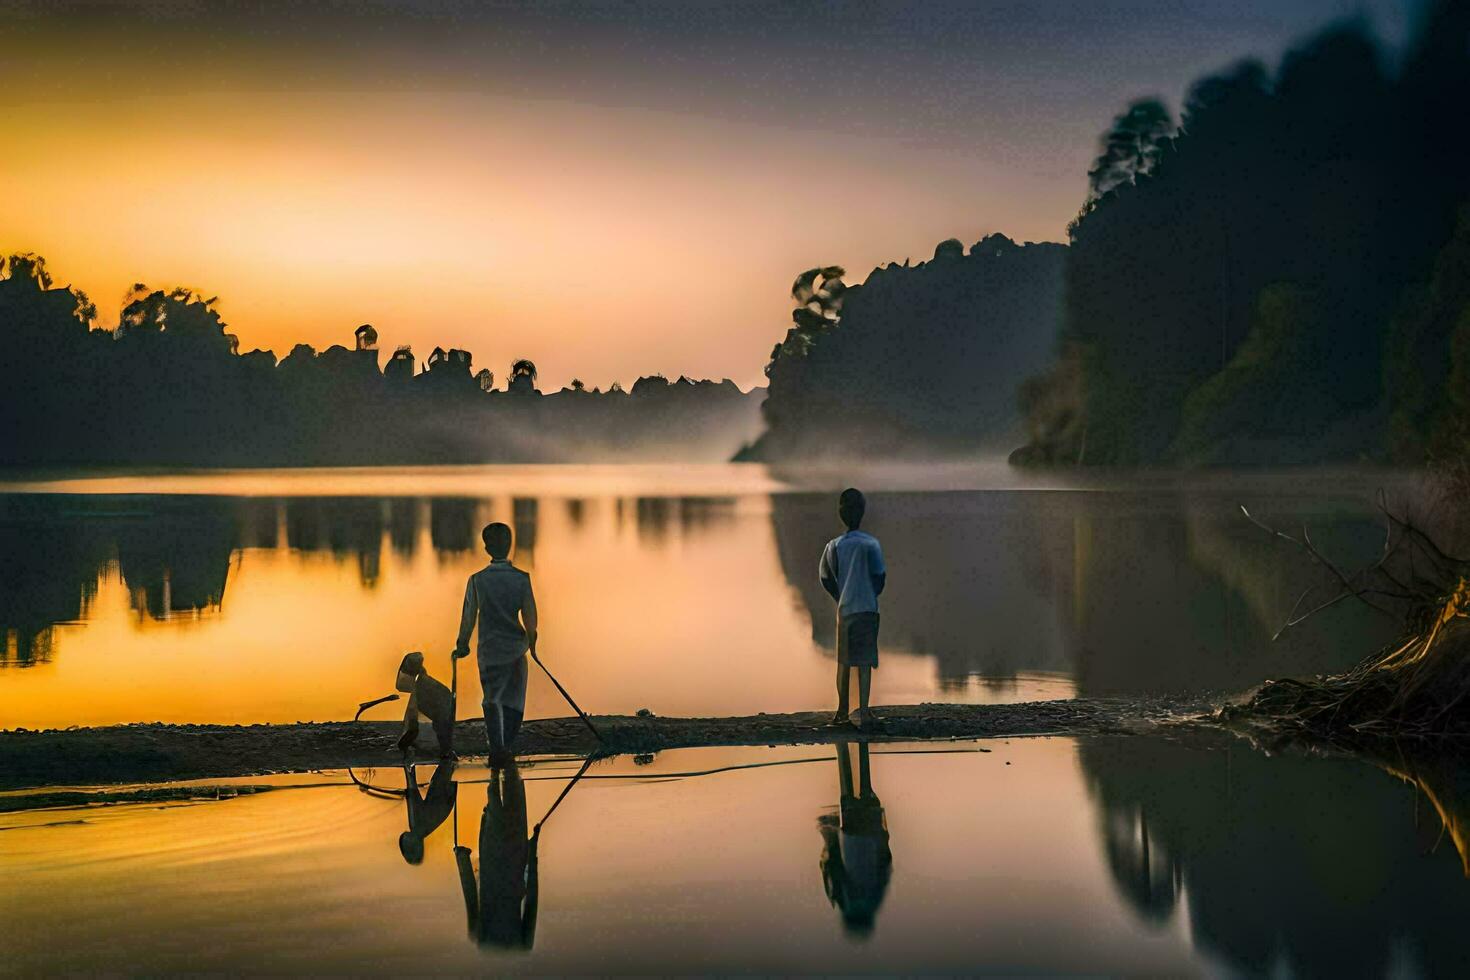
x: 857, y: 640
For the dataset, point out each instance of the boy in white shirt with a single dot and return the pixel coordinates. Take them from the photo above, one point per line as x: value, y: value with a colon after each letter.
x: 853, y: 573
x: 499, y: 598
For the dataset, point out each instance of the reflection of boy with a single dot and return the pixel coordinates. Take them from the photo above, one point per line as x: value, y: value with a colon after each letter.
x: 426, y: 812
x: 428, y: 697
x: 501, y: 911
x: 856, y: 861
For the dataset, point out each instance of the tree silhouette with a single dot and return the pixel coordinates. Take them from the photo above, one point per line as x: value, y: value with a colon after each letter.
x: 917, y: 360
x: 167, y: 386
x: 181, y: 314
x: 1331, y: 181
x: 1133, y: 146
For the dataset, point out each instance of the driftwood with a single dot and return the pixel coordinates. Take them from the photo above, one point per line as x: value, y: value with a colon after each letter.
x: 1416, y: 688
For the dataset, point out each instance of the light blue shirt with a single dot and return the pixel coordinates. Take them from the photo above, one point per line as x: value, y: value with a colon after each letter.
x: 855, y: 562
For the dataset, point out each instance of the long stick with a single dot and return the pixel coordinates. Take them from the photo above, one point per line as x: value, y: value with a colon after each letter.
x: 580, y: 713
x: 586, y: 764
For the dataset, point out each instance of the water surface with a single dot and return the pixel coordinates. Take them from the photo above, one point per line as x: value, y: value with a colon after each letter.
x: 278, y: 596
x: 1099, y: 856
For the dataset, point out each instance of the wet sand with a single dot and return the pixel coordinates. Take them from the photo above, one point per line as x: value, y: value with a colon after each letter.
x: 157, y: 752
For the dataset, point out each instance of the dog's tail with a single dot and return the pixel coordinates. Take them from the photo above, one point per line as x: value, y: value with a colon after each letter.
x: 368, y: 704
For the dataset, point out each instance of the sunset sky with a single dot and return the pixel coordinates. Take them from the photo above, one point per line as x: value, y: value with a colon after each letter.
x: 609, y: 189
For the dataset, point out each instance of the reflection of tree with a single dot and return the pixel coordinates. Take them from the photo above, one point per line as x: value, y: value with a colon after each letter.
x: 701, y: 513
x: 452, y: 527
x: 178, y: 557
x: 259, y: 522
x: 653, y: 515
x: 1446, y: 785
x: 966, y: 576
x: 173, y: 553
x: 524, y: 514
x: 403, y: 525
x: 1129, y: 591
x: 1309, y: 861
x: 1168, y: 594
x: 358, y: 530
x: 48, y: 575
x: 347, y: 527
x: 657, y: 516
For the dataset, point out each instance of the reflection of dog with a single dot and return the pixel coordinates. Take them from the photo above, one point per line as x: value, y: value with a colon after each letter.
x: 426, y: 697
x: 427, y: 811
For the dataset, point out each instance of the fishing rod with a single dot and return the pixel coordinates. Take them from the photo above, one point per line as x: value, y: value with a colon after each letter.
x: 586, y: 764
x: 580, y: 713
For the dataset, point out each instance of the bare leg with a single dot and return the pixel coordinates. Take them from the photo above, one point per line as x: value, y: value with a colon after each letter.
x: 495, y: 733
x: 861, y: 717
x: 842, y: 685
x: 865, y: 778
x: 512, y: 722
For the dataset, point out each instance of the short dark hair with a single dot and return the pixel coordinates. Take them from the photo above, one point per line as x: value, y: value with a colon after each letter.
x: 851, y: 507
x: 497, y: 539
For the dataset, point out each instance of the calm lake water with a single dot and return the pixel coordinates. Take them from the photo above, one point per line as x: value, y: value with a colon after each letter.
x: 278, y: 596
x: 1097, y: 856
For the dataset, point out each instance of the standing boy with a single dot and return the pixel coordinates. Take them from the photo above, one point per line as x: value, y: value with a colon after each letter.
x: 499, y: 597
x: 853, y: 574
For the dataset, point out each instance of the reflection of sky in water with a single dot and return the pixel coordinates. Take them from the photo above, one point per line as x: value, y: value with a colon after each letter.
x: 641, y: 875
x: 1104, y: 856
x: 676, y: 604
x: 194, y: 606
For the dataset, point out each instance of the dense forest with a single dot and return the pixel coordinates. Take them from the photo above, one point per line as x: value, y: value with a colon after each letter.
x: 1280, y: 276
x: 167, y: 386
x: 917, y: 360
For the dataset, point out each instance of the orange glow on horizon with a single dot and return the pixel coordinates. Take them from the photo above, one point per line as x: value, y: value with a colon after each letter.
x: 602, y: 243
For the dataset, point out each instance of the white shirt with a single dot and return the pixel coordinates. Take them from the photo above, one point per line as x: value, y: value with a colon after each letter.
x: 854, y: 561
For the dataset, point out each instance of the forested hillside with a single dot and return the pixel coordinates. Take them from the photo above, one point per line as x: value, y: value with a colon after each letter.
x: 1283, y: 275
x: 918, y: 360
